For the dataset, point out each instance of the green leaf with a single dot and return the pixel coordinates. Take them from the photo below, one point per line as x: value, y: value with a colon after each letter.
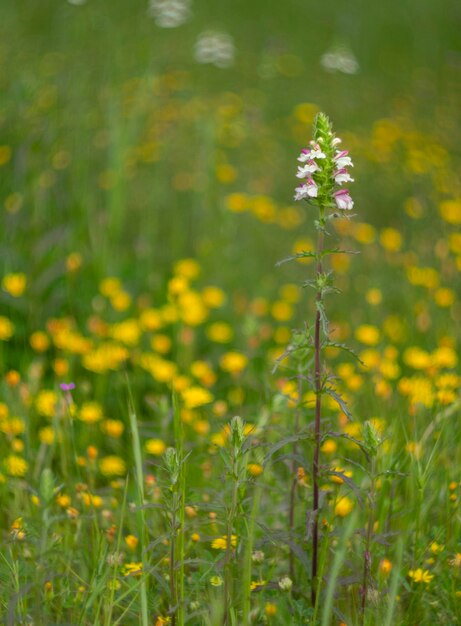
x: 340, y: 401
x: 342, y: 346
x: 323, y: 317
x: 298, y: 255
x: 283, y: 442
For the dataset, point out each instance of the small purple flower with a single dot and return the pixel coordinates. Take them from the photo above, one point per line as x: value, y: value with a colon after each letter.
x: 343, y: 199
x: 309, y: 168
x: 342, y: 160
x: 308, y: 190
x: 313, y: 153
x: 342, y: 176
x: 67, y: 386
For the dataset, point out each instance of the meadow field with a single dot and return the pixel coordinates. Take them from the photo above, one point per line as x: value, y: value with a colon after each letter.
x: 177, y: 444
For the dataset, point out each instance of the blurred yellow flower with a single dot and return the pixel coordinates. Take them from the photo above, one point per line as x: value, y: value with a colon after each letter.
x: 189, y: 268
x: 90, y: 413
x: 46, y: 435
x: 127, y: 332
x: 344, y: 506
x: 194, y: 397
x: 220, y: 332
x: 46, y: 402
x: 220, y: 543
x: 110, y: 286
x: 391, y: 239
x: 237, y: 202
x: 450, y: 210
x: 367, y: 334
x: 133, y: 569
x: 420, y: 576
x: 131, y: 541
x: 112, y: 428
x: 14, y: 284
x: 213, y: 297
x: 112, y: 466
x: 385, y: 567
x: 6, y: 328
x: 233, y: 362
x: 255, y: 469
x: 155, y: 446
x: 161, y: 344
x: 16, y: 465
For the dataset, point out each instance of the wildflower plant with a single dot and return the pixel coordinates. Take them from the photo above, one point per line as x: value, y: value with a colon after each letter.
x: 323, y: 171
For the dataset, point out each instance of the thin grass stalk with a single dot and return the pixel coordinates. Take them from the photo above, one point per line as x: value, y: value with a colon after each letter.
x: 247, y: 560
x: 140, y: 515
x: 368, y: 538
x: 110, y: 608
x: 181, y: 501
x: 394, y: 586
x: 340, y: 555
x: 322, y: 565
x: 228, y: 586
x: 294, y: 483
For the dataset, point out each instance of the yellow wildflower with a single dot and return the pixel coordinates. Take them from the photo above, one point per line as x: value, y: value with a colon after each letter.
x: 131, y: 541
x: 270, y: 609
x: 367, y: 334
x: 343, y: 507
x: 213, y: 297
x: 220, y: 543
x: 112, y: 466
x: 420, y: 576
x: 112, y: 428
x: 6, y: 328
x: 233, y: 362
x: 14, y: 284
x: 132, y: 569
x: 220, y: 332
x: 15, y: 465
x: 90, y: 413
x: 194, y: 397
x: 155, y: 446
x: 255, y: 584
x: 45, y: 403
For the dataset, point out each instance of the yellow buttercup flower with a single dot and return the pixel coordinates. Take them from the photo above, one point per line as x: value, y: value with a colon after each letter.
x: 6, y: 328
x: 46, y: 402
x: 132, y: 569
x: 220, y: 332
x: 367, y: 334
x: 194, y: 397
x: 343, y: 507
x: 220, y: 543
x: 90, y: 413
x: 233, y: 362
x: 155, y: 446
x: 112, y: 466
x: 420, y: 576
x: 131, y: 541
x: 14, y: 284
x: 16, y: 465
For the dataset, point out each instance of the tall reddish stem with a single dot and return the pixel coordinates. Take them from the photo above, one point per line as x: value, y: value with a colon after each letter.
x: 318, y: 408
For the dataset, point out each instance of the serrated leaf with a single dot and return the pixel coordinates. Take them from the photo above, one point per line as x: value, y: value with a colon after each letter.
x: 342, y: 346
x: 350, y: 483
x: 339, y: 400
x: 280, y: 444
x: 294, y: 257
x: 323, y: 317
